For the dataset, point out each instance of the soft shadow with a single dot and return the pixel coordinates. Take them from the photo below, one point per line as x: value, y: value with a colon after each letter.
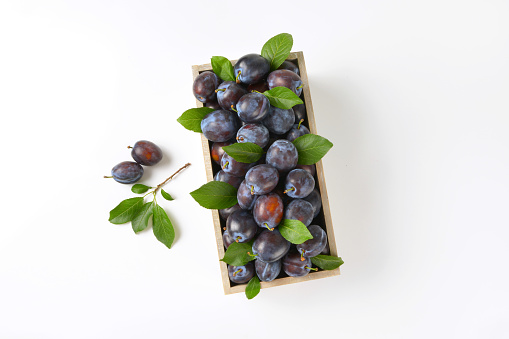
x: 351, y: 172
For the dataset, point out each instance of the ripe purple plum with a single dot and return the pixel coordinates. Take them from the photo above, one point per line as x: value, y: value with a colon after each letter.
x: 285, y: 78
x: 315, y: 246
x: 255, y: 133
x: 253, y: 107
x: 233, y: 167
x: 296, y: 131
x: 245, y: 199
x: 229, y: 93
x: 299, y: 183
x: 228, y: 178
x: 262, y: 179
x: 251, y: 69
x: 127, y: 172
x: 241, y: 274
x: 316, y: 200
x: 290, y: 66
x: 309, y: 168
x: 226, y: 212
x: 220, y: 126
x: 268, y: 211
x: 204, y: 86
x: 301, y: 210
x: 294, y: 266
x: 278, y: 120
x: 146, y: 153
x: 241, y: 226
x: 300, y: 112
x: 227, y: 240
x: 282, y: 155
x: 270, y: 246
x: 267, y: 271
x: 216, y: 151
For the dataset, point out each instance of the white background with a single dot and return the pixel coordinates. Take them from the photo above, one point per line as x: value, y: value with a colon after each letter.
x: 413, y: 94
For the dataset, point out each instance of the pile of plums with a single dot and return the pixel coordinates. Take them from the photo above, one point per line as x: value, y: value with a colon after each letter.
x: 273, y: 188
x: 144, y: 153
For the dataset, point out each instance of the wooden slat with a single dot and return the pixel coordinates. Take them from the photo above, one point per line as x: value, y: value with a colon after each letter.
x: 228, y: 288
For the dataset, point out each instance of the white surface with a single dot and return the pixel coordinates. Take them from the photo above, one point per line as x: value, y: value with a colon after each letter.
x: 412, y: 93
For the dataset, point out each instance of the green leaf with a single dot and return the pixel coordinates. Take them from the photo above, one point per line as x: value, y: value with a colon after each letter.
x: 277, y: 49
x: 327, y: 262
x: 126, y: 210
x: 294, y: 231
x: 163, y: 229
x: 140, y: 220
x: 311, y: 148
x: 191, y: 119
x: 246, y: 152
x: 139, y: 188
x: 253, y: 287
x: 166, y: 195
x: 215, y: 195
x: 282, y: 97
x: 223, y: 68
x: 236, y: 254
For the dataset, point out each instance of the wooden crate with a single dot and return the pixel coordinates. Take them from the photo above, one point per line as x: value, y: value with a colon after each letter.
x: 324, y: 215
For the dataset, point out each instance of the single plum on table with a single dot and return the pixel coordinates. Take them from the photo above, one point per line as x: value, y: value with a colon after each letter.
x: 127, y: 172
x: 146, y: 153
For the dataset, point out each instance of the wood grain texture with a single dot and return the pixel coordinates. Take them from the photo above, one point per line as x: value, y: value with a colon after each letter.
x: 227, y: 286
